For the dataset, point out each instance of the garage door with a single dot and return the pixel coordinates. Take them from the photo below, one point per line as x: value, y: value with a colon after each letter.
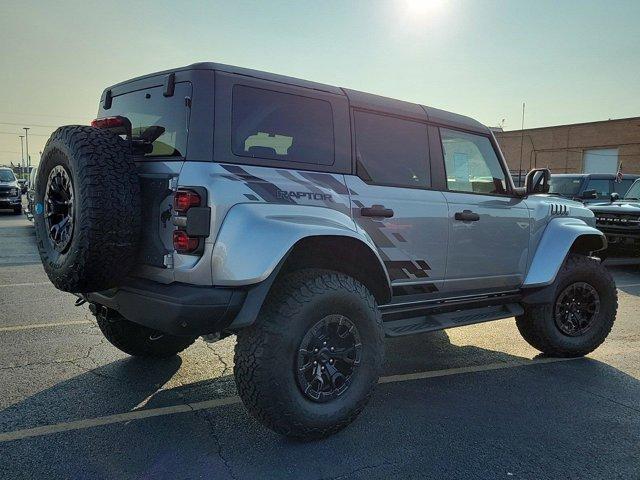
x: 601, y: 160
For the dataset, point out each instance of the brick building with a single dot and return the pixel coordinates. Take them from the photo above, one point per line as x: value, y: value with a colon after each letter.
x: 593, y: 147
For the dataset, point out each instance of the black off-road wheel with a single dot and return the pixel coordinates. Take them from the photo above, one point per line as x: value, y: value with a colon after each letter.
x: 310, y: 363
x: 581, y: 315
x: 138, y: 340
x: 87, y: 209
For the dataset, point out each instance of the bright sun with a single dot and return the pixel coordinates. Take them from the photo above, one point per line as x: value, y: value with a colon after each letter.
x: 424, y: 7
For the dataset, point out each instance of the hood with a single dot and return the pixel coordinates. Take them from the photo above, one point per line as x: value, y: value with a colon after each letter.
x: 621, y: 207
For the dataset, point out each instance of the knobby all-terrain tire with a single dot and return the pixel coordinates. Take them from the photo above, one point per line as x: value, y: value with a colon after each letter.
x: 538, y: 327
x: 106, y: 209
x: 138, y: 340
x: 265, y: 354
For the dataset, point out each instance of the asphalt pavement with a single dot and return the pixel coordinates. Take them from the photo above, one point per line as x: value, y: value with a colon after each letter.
x: 472, y: 403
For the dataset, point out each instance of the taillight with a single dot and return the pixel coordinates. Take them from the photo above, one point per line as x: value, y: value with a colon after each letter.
x: 183, y: 200
x: 108, y: 122
x: 183, y: 243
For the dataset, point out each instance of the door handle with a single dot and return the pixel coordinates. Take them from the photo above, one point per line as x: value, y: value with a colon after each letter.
x: 376, y: 211
x: 467, y: 216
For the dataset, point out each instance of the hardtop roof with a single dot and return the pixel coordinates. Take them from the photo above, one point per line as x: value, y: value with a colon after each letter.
x: 356, y: 98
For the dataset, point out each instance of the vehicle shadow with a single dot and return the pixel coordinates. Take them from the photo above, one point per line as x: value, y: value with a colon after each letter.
x: 480, y: 425
x: 627, y: 278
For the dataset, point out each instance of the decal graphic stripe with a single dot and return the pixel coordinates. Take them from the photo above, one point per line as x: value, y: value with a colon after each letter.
x: 266, y: 190
x: 329, y: 181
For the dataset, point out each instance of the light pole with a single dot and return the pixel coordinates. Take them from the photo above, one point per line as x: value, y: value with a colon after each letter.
x: 26, y: 141
x: 21, y: 154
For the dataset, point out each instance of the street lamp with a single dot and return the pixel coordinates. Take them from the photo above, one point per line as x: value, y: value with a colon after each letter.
x: 26, y: 141
x: 21, y: 154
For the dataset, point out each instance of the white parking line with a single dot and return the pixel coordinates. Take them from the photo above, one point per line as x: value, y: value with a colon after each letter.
x: 628, y: 285
x: 192, y: 407
x: 15, y: 328
x: 34, y: 284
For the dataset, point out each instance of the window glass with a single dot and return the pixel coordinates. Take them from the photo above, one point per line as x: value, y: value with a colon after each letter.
x: 161, y: 120
x: 471, y: 163
x: 391, y: 151
x: 565, y: 186
x: 634, y: 191
x: 281, y: 126
x: 601, y: 186
x: 6, y: 175
x: 622, y: 186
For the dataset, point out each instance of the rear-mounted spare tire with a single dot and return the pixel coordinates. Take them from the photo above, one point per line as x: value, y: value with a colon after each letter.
x: 87, y: 209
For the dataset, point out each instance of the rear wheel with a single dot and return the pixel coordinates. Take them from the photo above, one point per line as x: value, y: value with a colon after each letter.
x: 138, y: 340
x: 581, y: 315
x: 309, y: 364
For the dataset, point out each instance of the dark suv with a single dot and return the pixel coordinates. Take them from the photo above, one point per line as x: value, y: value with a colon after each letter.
x: 589, y: 187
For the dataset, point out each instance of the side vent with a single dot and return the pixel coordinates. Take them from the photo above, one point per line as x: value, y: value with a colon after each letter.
x: 558, y: 210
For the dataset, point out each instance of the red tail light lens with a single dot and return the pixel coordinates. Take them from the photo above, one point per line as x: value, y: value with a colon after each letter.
x: 108, y: 122
x: 183, y: 200
x: 183, y: 243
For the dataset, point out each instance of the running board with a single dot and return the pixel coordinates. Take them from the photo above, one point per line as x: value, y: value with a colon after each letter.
x: 440, y: 321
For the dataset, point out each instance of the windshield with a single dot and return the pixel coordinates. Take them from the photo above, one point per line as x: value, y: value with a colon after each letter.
x: 162, y: 121
x: 6, y: 176
x: 634, y: 191
x: 565, y: 186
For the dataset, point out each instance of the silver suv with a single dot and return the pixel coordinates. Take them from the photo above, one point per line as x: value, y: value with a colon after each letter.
x: 311, y: 221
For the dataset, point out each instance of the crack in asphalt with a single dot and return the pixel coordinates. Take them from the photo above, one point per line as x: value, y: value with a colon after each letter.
x: 216, y: 439
x: 72, y: 361
x: 226, y: 366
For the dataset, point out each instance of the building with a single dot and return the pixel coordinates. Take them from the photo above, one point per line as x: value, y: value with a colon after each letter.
x: 593, y: 147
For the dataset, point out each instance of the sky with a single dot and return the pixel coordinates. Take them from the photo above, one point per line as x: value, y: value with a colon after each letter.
x: 569, y: 61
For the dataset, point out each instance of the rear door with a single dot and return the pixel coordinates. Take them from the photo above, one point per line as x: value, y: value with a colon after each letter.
x: 488, y: 227
x: 392, y: 200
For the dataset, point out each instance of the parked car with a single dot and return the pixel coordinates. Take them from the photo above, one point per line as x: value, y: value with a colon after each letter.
x: 310, y: 221
x: 619, y: 220
x: 10, y: 196
x: 31, y: 194
x: 590, y: 187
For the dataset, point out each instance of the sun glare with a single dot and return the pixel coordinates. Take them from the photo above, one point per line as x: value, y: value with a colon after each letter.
x: 424, y: 7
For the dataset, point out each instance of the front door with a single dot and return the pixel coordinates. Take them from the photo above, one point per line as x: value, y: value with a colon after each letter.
x: 488, y: 227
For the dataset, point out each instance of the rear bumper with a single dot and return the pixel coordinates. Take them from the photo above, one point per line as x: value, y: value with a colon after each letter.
x: 177, y: 308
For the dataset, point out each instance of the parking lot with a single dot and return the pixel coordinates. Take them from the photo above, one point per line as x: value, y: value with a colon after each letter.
x: 472, y: 402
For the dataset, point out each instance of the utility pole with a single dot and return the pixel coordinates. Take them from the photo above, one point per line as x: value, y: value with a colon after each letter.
x: 21, y: 154
x: 521, y: 140
x: 26, y: 141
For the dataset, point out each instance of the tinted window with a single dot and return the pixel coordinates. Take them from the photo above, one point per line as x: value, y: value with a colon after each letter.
x: 281, y: 126
x: 163, y: 120
x: 6, y: 176
x: 471, y: 163
x: 565, y: 186
x: 622, y: 186
x: 391, y: 151
x: 602, y: 187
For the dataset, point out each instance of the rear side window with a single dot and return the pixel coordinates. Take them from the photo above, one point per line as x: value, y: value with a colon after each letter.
x: 391, y: 151
x: 471, y: 163
x: 281, y: 126
x: 164, y: 121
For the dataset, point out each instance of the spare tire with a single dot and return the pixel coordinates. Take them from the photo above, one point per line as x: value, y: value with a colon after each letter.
x: 87, y: 209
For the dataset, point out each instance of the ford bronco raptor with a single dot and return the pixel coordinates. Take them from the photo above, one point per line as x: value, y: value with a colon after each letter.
x: 311, y: 221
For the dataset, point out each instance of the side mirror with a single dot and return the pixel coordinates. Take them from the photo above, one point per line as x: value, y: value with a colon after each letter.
x: 614, y: 197
x: 589, y: 195
x: 537, y: 181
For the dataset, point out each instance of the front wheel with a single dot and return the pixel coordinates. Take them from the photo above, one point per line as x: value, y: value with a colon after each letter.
x: 309, y: 364
x: 581, y: 315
